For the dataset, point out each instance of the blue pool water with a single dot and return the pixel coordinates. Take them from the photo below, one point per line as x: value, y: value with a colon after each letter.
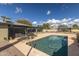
x: 52, y: 45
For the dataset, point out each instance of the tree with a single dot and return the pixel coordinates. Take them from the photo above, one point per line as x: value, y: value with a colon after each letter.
x: 46, y: 26
x: 75, y: 26
x: 40, y: 28
x: 24, y: 21
x: 63, y: 28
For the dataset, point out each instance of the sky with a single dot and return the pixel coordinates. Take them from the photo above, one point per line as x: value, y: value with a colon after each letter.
x: 42, y: 12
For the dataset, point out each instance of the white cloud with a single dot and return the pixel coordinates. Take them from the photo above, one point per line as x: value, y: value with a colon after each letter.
x: 34, y: 22
x: 49, y: 21
x: 48, y: 12
x: 65, y: 21
x: 76, y: 20
x: 53, y: 21
x: 18, y: 10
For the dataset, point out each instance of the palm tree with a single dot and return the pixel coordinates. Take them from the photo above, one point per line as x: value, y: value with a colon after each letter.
x: 5, y: 19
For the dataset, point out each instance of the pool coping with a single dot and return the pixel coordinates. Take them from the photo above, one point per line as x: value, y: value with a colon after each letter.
x: 44, y: 39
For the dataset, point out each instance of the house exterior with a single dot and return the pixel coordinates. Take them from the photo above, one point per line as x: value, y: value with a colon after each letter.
x: 3, y: 32
x: 11, y: 30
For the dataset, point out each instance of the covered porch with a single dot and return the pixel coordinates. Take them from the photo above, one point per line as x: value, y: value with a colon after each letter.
x: 16, y: 31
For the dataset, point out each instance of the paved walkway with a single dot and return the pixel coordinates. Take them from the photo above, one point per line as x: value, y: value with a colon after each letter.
x: 7, y: 49
x: 73, y: 50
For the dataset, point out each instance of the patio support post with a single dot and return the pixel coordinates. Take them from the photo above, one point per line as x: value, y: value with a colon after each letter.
x: 25, y: 30
x: 36, y: 30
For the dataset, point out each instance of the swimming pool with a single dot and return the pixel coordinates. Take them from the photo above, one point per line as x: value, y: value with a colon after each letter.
x: 52, y: 45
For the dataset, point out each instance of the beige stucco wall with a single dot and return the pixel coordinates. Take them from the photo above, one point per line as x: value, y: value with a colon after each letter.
x: 3, y: 32
x: 50, y: 30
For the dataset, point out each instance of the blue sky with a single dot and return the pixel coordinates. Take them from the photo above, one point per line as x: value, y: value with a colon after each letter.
x: 39, y: 13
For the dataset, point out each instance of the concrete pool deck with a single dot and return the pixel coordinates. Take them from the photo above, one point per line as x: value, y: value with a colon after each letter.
x: 73, y: 50
x: 7, y: 49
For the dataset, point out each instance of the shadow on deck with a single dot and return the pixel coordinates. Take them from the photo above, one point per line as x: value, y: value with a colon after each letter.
x: 9, y: 45
x: 73, y: 49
